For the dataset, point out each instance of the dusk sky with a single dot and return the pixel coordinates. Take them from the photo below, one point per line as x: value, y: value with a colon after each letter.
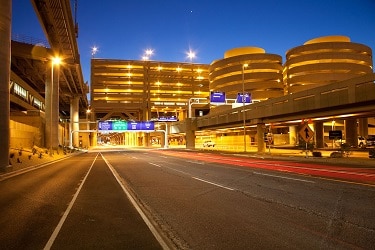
x: 125, y: 29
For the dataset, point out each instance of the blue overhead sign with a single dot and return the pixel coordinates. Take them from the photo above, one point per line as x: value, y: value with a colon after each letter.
x: 244, y: 98
x: 141, y: 126
x: 126, y: 126
x: 105, y: 125
x: 167, y: 118
x: 217, y: 97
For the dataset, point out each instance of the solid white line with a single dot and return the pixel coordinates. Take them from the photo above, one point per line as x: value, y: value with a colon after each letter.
x: 155, y: 232
x: 212, y: 183
x: 283, y: 177
x: 65, y: 215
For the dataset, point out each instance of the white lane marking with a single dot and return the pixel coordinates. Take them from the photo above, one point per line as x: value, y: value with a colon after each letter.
x: 196, y: 162
x: 213, y: 183
x: 67, y: 211
x: 155, y: 164
x: 196, y: 178
x: 283, y: 177
x: 154, y: 231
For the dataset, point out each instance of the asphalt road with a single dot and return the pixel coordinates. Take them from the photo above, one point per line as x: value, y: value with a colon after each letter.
x: 73, y: 204
x: 187, y: 200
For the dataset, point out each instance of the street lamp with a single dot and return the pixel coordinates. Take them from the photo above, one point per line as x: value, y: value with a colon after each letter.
x: 55, y: 61
x: 243, y: 105
x: 191, y: 55
x: 147, y: 55
x: 94, y: 50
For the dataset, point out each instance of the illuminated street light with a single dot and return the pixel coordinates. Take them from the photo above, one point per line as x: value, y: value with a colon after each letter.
x: 243, y: 105
x: 148, y: 54
x: 55, y: 61
x: 94, y: 50
x: 191, y: 55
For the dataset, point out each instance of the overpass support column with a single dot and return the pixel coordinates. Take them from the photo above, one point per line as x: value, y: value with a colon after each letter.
x: 5, y: 52
x: 351, y: 132
x: 292, y: 135
x: 363, y: 127
x: 94, y: 135
x: 319, y: 134
x: 261, y: 128
x: 74, y: 119
x: 191, y: 126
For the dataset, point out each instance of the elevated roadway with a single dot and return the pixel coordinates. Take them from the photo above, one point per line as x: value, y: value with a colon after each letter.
x: 349, y: 99
x: 32, y: 61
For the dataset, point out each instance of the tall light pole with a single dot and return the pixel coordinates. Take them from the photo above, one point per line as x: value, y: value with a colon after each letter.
x: 243, y: 105
x: 55, y: 61
x: 146, y: 57
x: 191, y: 55
x: 147, y: 108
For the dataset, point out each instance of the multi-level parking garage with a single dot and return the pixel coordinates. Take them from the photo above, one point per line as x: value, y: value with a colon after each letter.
x: 249, y: 69
x: 324, y: 60
x: 145, y: 90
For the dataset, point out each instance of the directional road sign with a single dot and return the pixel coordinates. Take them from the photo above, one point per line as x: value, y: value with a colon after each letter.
x: 306, y: 133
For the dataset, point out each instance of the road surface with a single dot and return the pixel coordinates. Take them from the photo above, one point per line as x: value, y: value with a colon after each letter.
x: 154, y: 199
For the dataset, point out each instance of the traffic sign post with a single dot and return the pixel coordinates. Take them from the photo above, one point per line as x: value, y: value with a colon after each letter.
x: 307, y: 134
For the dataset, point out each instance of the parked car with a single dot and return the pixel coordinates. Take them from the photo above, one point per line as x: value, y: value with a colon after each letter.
x: 361, y: 142
x: 208, y: 144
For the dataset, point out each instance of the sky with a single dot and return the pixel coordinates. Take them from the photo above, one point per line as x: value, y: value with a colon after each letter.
x: 122, y: 29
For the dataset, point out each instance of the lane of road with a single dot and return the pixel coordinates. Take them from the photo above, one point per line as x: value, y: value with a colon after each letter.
x: 32, y: 203
x: 362, y: 175
x: 205, y: 204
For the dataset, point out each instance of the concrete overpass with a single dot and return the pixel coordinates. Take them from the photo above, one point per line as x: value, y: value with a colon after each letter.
x: 59, y: 89
x: 350, y: 99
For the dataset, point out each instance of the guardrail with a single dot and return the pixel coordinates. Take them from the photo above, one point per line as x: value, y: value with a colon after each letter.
x: 30, y: 40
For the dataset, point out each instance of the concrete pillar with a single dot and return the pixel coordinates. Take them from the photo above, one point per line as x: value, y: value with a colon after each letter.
x: 292, y: 135
x: 162, y: 139
x: 363, y: 127
x: 190, y: 133
x: 351, y: 132
x: 94, y: 135
x: 319, y: 134
x: 66, y: 134
x: 74, y: 119
x: 147, y: 140
x: 261, y: 129
x: 5, y: 53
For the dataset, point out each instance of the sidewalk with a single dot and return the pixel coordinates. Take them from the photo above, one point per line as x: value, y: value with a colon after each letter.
x: 23, y: 159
